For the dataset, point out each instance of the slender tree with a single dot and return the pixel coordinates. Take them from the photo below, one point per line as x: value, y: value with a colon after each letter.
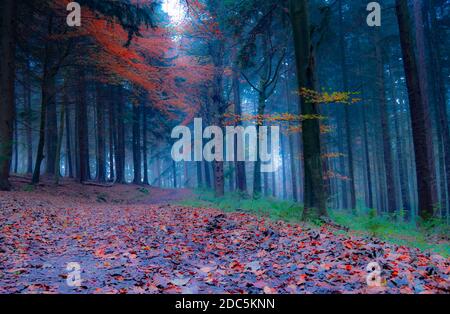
x: 7, y: 77
x: 418, y: 112
x: 315, y: 198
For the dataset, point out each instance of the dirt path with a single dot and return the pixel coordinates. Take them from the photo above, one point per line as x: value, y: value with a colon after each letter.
x: 70, y: 191
x: 148, y: 248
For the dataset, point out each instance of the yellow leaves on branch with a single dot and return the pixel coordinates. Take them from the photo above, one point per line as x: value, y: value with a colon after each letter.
x: 292, y: 120
x: 231, y: 118
x: 298, y: 128
x: 324, y: 97
x: 332, y: 155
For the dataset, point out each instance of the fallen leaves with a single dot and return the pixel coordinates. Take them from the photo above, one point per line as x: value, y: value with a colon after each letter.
x: 174, y: 249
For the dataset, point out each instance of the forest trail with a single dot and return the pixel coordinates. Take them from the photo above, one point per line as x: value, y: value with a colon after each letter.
x: 135, y: 246
x: 93, y: 192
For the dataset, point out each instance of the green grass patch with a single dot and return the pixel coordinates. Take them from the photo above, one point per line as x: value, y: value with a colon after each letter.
x: 144, y: 191
x: 231, y: 202
x: 432, y: 235
x: 28, y: 188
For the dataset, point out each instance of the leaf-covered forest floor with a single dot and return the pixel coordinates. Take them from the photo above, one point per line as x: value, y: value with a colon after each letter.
x: 134, y: 239
x: 433, y: 236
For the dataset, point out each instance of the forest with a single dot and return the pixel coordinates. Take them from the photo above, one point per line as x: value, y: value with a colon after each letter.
x: 348, y: 100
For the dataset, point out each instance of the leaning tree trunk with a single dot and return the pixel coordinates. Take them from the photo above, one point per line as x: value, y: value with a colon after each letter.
x: 47, y: 90
x: 314, y: 195
x: 7, y: 78
x: 418, y: 117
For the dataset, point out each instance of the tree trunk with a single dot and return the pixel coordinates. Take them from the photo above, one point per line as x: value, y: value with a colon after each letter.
x: 217, y: 111
x: 207, y: 174
x: 51, y: 138
x: 418, y: 113
x: 101, y: 134
x: 112, y: 137
x: 174, y: 173
x: 16, y: 146
x: 315, y: 198
x: 145, y: 143
x: 441, y: 93
x: 7, y: 81
x: 241, y: 179
x: 257, y: 184
x: 28, y: 115
x: 283, y: 160
x: 367, y: 160
x: 387, y: 151
x: 199, y: 174
x: 137, y: 144
x: 120, y: 143
x: 186, y: 175
x: 274, y: 188
x: 158, y: 172
x: 57, y: 165
x: 83, y: 140
x: 47, y: 90
x: 293, y: 170
x: 423, y: 72
x: 68, y: 144
x: 348, y: 135
x: 291, y: 142
x: 402, y: 165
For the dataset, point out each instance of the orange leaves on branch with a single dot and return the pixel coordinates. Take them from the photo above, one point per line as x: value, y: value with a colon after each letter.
x: 155, y: 62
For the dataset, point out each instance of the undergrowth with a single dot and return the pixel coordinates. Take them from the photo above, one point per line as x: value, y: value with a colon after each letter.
x: 432, y: 235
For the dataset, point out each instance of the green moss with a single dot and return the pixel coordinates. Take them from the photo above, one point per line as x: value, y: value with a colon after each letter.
x: 144, y: 191
x: 28, y: 188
